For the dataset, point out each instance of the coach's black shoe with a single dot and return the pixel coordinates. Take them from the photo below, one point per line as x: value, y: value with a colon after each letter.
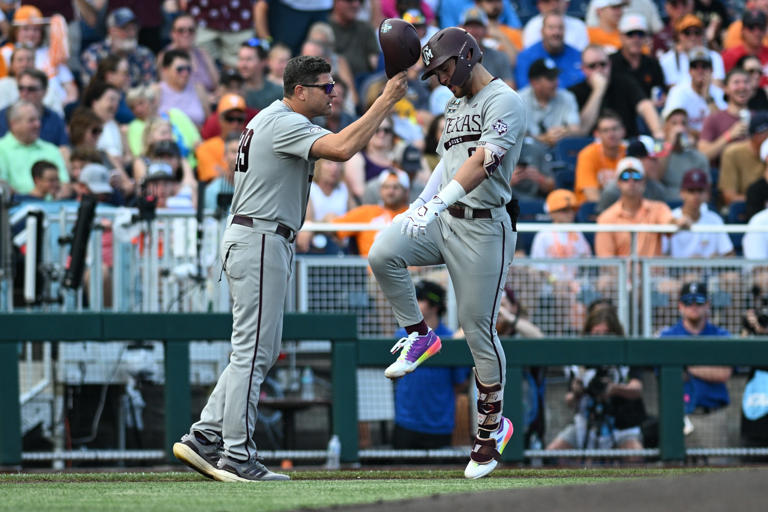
x: 251, y: 470
x: 197, y: 452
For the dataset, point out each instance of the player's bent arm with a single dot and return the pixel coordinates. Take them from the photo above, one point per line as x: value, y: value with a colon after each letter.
x: 476, y: 168
x: 340, y: 147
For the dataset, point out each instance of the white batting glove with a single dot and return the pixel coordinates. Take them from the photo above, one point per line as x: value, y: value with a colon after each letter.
x: 415, y: 224
x: 413, y: 206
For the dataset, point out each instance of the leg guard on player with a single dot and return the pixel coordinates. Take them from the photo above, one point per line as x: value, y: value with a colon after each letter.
x: 493, y: 430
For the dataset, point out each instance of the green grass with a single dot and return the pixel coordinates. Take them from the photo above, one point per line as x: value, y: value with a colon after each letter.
x: 188, y: 492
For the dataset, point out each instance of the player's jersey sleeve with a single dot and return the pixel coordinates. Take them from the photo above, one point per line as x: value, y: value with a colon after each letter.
x: 294, y: 135
x: 504, y: 121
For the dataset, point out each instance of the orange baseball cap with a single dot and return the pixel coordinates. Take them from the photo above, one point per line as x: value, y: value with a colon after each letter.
x: 688, y: 21
x: 28, y: 15
x: 560, y: 199
x: 229, y: 102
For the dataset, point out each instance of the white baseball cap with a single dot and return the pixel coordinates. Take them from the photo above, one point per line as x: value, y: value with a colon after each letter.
x: 630, y: 163
x: 632, y: 21
x: 96, y: 178
x: 607, y: 3
x: 402, y: 177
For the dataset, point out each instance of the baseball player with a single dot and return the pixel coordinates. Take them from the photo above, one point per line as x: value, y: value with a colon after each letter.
x: 276, y: 158
x: 461, y: 219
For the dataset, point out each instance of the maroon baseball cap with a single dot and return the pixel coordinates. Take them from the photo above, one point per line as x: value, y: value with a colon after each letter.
x: 695, y: 179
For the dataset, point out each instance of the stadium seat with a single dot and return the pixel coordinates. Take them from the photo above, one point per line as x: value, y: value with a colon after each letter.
x: 578, y: 9
x: 737, y: 214
x: 564, y: 176
x: 567, y: 149
x: 587, y: 213
x: 531, y: 210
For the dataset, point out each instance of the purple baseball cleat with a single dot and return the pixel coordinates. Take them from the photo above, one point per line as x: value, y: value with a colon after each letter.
x: 414, y: 350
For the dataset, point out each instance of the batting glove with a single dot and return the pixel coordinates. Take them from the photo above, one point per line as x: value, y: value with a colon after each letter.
x: 413, y: 206
x: 415, y: 224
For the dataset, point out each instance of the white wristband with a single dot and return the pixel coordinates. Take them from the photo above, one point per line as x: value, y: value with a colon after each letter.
x: 451, y: 193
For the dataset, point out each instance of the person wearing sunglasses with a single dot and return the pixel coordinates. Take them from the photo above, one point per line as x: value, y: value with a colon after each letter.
x: 605, y: 32
x: 758, y: 100
x: 633, y: 208
x: 705, y: 394
x: 631, y: 61
x: 273, y: 174
x: 698, y: 96
x: 176, y: 90
x: 674, y: 11
x: 754, y: 25
x: 211, y: 154
x: 183, y: 31
x: 689, y: 33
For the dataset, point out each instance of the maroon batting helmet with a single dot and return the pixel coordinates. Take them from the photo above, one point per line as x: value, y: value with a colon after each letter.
x: 399, y: 44
x: 447, y: 43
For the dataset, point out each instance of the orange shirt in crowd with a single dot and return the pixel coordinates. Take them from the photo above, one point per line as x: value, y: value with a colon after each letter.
x: 594, y: 169
x: 211, y: 162
x: 609, y: 245
x: 604, y: 38
x: 513, y: 34
x: 367, y: 214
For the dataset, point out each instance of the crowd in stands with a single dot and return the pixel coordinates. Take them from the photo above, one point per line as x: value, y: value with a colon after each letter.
x: 627, y: 102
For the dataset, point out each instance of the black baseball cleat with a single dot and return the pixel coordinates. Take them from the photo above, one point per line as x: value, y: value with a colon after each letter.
x: 199, y: 454
x: 251, y: 470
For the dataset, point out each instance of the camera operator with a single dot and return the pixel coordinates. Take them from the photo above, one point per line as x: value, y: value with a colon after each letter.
x: 754, y: 403
x: 607, y: 399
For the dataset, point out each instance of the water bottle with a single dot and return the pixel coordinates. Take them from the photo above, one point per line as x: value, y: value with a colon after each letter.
x: 536, y: 462
x: 307, y: 384
x: 334, y: 453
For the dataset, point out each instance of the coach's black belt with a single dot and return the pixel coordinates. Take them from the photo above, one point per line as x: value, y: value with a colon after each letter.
x: 465, y: 212
x: 281, y: 229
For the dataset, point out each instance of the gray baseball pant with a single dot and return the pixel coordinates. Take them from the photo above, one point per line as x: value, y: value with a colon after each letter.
x: 258, y: 264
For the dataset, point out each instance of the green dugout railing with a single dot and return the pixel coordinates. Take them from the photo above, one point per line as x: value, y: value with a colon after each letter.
x: 176, y: 330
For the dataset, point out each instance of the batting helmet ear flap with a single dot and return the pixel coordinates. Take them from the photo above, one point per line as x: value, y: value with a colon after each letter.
x: 469, y: 55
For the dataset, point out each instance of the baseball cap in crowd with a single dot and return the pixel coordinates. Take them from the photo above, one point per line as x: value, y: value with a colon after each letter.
x: 543, y: 67
x: 630, y: 163
x: 415, y: 17
x: 474, y: 15
x: 96, y: 178
x: 432, y: 293
x: 164, y: 148
x: 688, y: 21
x: 560, y: 199
x: 753, y: 18
x: 631, y: 22
x: 402, y: 177
x: 230, y: 75
x: 693, y: 293
x: 121, y: 17
x: 410, y: 158
x: 643, y: 146
x: 758, y: 123
x: 598, y: 4
x: 229, y: 102
x: 28, y: 15
x: 699, y: 54
x: 159, y: 171
x: 670, y: 111
x: 695, y: 179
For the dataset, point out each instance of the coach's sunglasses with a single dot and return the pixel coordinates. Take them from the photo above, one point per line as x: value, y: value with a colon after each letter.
x: 328, y: 88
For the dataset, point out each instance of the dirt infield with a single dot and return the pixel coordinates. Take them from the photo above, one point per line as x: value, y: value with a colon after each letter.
x: 743, y: 490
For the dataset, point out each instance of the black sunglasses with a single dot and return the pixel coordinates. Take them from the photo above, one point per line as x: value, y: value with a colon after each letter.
x: 700, y: 65
x: 598, y: 64
x: 689, y: 299
x: 29, y: 88
x: 693, y: 32
x: 636, y: 33
x: 630, y: 174
x: 183, y: 69
x: 234, y: 118
x: 754, y: 71
x: 328, y: 88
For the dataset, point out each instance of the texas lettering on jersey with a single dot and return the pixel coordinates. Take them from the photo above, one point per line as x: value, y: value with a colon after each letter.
x: 462, y: 128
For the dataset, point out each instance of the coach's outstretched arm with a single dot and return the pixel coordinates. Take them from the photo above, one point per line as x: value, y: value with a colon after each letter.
x: 341, y: 146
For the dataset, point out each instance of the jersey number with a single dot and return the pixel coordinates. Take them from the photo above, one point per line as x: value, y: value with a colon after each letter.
x: 242, y: 151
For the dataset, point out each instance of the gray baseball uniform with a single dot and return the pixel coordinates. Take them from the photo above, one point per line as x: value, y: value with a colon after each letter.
x: 272, y: 182
x: 477, y: 251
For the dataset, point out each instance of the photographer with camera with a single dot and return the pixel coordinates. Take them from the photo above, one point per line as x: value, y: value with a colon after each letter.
x: 705, y: 394
x: 754, y: 403
x: 607, y: 399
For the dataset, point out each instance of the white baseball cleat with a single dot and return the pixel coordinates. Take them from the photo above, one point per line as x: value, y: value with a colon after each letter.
x: 487, y: 452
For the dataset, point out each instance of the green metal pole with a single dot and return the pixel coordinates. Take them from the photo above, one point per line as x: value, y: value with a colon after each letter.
x: 10, y: 425
x: 671, y: 441
x: 344, y: 382
x: 513, y: 409
x: 177, y: 393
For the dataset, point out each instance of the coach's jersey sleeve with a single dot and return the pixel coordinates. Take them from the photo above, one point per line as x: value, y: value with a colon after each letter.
x: 294, y: 135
